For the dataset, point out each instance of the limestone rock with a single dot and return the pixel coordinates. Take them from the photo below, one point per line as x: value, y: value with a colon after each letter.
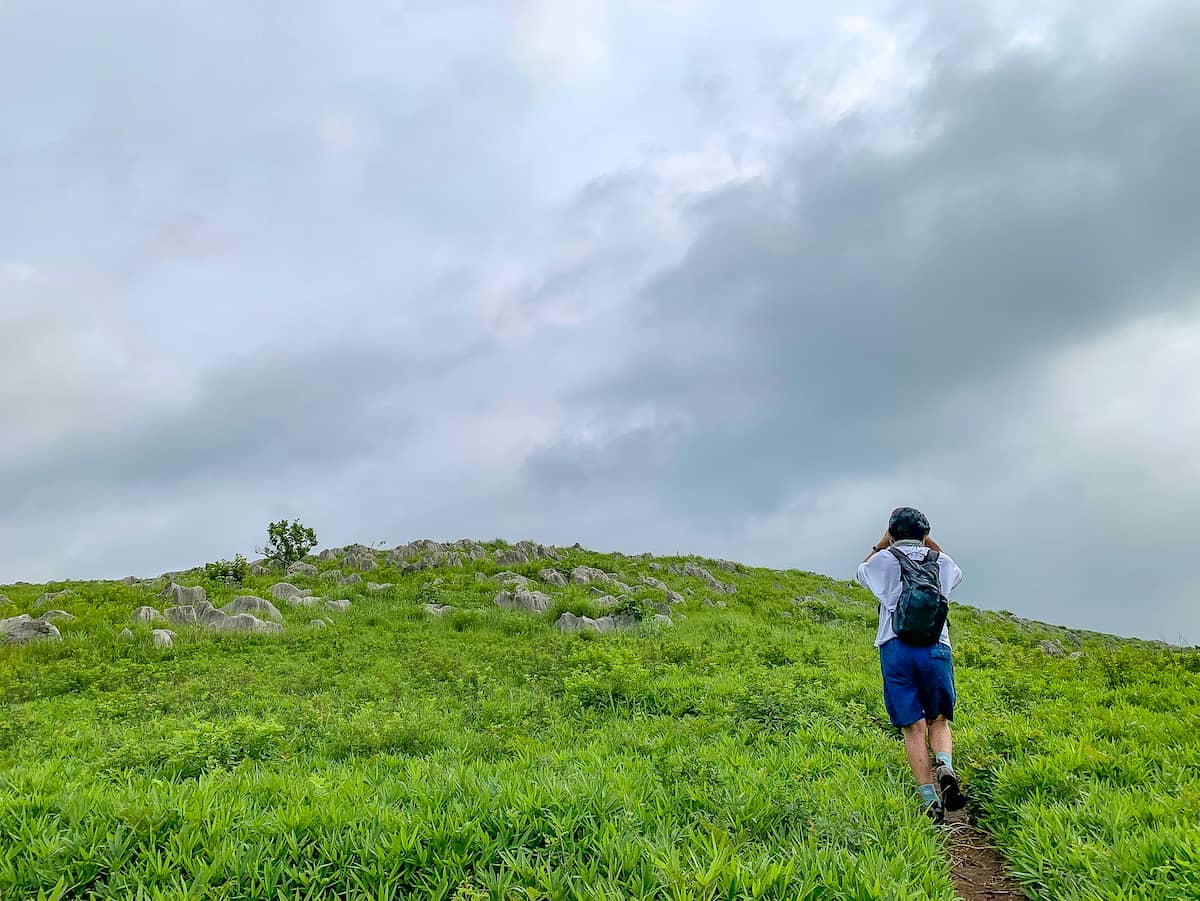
x: 478, y: 553
x: 50, y: 597
x: 332, y: 575
x: 480, y: 577
x: 1051, y: 648
x: 317, y: 623
x: 259, y: 607
x: 379, y: 586
x: 146, y: 615
x: 510, y: 578
x: 654, y: 583
x: 59, y: 615
x: 569, y: 622
x: 553, y: 577
x: 244, y: 622
x: 511, y: 556
x: 586, y: 575
x: 661, y: 619
x: 437, y: 609
x: 300, y: 568
x: 337, y: 606
x: 674, y: 597
x: 360, y: 558
x: 282, y: 591
x: 257, y: 569
x: 163, y: 638
x: 355, y: 579
x: 529, y: 601
x: 326, y: 555
x: 180, y: 596
x: 24, y: 628
x: 125, y: 635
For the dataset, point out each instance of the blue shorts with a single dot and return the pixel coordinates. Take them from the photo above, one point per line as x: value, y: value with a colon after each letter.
x: 918, y: 683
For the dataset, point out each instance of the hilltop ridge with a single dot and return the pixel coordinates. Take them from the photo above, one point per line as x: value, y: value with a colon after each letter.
x: 490, y: 720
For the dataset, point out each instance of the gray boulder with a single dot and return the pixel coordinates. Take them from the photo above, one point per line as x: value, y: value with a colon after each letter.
x: 50, y: 597
x: 243, y: 622
x: 553, y: 577
x: 529, y: 601
x: 379, y: 586
x: 180, y: 596
x: 362, y: 559
x: 654, y: 583
x: 332, y: 575
x: 317, y: 623
x: 511, y: 556
x: 258, y: 607
x: 326, y: 555
x: 674, y: 597
x: 569, y: 622
x: 282, y: 591
x: 59, y: 615
x: 24, y: 628
x: 510, y: 578
x: 437, y: 609
x: 661, y: 619
x: 337, y: 606
x: 163, y: 638
x: 257, y: 569
x: 1051, y: 648
x: 355, y: 579
x: 480, y: 577
x: 146, y: 615
x: 586, y: 575
x: 125, y: 635
x: 478, y: 553
x: 300, y: 568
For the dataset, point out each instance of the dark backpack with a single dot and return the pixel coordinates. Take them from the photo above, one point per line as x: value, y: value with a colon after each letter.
x: 922, y: 609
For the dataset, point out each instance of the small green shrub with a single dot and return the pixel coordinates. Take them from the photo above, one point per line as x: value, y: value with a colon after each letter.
x: 230, y: 572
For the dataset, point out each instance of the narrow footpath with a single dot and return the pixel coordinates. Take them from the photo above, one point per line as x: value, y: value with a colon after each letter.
x: 976, y: 867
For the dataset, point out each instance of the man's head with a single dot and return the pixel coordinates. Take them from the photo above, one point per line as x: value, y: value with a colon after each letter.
x: 908, y: 524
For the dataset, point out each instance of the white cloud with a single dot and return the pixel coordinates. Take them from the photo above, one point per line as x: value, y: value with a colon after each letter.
x: 557, y: 41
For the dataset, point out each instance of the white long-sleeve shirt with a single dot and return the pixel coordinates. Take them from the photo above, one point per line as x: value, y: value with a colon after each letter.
x: 880, y: 575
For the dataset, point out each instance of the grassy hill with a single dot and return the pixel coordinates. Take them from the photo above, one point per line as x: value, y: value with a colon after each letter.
x: 740, y: 752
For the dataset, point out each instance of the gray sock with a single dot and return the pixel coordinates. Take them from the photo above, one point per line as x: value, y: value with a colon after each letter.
x: 928, y: 794
x: 946, y: 758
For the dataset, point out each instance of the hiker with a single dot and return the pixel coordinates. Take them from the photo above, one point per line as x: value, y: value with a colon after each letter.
x: 911, y: 576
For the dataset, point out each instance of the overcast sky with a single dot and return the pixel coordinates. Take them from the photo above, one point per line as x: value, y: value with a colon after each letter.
x: 666, y: 275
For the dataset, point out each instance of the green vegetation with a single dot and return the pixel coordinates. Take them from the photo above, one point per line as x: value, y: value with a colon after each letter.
x: 740, y: 753
x: 231, y: 572
x: 288, y: 542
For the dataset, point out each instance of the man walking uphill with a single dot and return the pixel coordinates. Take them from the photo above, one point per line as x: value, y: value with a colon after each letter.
x: 910, y: 576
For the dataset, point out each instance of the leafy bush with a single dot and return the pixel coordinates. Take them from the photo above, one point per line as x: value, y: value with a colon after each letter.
x: 288, y: 542
x: 231, y: 572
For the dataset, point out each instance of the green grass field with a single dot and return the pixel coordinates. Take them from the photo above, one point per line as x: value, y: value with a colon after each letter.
x: 739, y: 753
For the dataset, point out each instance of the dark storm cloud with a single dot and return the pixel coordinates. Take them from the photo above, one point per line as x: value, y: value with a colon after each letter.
x: 823, y: 315
x: 282, y: 413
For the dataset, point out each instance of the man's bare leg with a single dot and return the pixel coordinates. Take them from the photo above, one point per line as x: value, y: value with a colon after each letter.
x: 940, y: 743
x: 915, y: 737
x: 939, y: 736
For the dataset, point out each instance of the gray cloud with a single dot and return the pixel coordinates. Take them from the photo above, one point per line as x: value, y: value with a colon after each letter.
x: 505, y: 271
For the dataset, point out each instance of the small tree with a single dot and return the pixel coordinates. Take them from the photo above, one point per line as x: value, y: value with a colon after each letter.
x: 288, y: 542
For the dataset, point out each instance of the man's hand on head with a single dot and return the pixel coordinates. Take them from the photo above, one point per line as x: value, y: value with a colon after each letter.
x: 931, y: 544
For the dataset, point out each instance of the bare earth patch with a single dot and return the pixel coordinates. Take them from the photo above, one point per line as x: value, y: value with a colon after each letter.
x: 976, y: 867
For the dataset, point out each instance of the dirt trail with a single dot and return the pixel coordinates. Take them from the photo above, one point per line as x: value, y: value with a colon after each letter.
x: 976, y: 867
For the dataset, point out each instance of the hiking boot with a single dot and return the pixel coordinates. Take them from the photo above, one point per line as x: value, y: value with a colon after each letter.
x: 952, y: 795
x: 936, y: 812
